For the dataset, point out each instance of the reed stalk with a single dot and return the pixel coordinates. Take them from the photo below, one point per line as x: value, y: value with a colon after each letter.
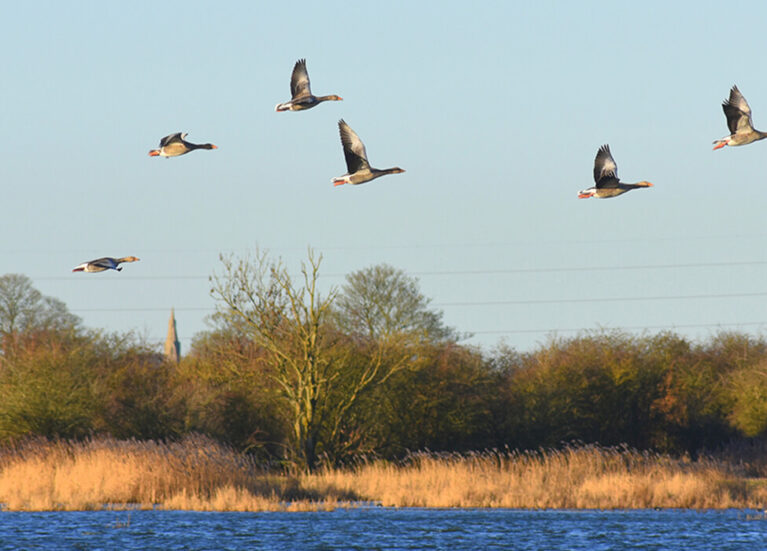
x: 200, y: 474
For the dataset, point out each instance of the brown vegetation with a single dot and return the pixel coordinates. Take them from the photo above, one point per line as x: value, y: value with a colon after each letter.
x: 373, y: 373
x: 200, y: 474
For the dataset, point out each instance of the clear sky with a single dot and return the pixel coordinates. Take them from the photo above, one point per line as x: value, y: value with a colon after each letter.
x: 495, y: 110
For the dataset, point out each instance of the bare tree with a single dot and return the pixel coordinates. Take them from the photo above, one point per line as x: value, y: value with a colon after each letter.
x: 258, y: 297
x: 322, y: 367
x: 23, y: 308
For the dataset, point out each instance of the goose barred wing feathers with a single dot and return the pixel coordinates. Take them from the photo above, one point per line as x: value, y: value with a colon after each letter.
x: 354, y: 149
x: 106, y: 263
x: 299, y: 80
x: 737, y: 111
x: 605, y: 169
x: 178, y: 137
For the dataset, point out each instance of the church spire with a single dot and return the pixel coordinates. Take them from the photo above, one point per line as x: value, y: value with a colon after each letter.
x: 172, y: 345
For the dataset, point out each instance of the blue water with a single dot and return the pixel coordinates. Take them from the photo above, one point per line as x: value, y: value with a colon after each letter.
x: 379, y: 528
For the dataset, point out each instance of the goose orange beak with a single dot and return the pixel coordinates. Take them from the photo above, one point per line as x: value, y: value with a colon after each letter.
x: 154, y: 153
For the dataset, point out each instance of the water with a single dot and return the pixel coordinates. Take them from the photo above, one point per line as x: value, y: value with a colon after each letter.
x: 379, y: 528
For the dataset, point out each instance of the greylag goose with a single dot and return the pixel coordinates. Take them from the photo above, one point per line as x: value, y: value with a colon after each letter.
x: 106, y: 263
x: 300, y: 91
x: 739, y: 122
x: 175, y: 145
x: 359, y: 169
x: 606, y: 178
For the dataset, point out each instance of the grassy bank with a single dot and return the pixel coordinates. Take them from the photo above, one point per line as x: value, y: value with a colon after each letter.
x: 199, y: 474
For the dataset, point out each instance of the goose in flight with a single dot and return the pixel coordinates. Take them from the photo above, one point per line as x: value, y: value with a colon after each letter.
x: 739, y: 122
x: 301, y: 92
x: 106, y: 263
x: 606, y: 178
x: 174, y: 145
x: 359, y: 169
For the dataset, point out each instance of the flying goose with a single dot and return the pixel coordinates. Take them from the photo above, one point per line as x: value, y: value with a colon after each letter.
x: 739, y: 122
x: 606, y: 178
x: 359, y: 169
x: 300, y: 91
x: 174, y: 145
x: 106, y: 263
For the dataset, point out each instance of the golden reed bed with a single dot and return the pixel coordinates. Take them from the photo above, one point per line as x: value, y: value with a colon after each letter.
x: 200, y: 474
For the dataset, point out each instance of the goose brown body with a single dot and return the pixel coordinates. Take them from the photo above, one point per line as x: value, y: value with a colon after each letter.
x: 738, y: 114
x: 606, y: 179
x: 300, y: 91
x: 358, y: 167
x: 174, y: 145
x: 106, y: 263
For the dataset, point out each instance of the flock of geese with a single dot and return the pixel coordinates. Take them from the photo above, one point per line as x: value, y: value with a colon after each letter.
x: 742, y: 132
x: 359, y: 171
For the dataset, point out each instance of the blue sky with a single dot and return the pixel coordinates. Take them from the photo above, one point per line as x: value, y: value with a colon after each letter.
x: 495, y: 110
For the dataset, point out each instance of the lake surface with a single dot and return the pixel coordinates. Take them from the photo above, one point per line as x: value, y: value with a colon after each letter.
x: 381, y: 528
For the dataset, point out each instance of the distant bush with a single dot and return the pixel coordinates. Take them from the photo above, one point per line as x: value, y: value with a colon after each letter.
x: 45, y: 387
x: 651, y: 392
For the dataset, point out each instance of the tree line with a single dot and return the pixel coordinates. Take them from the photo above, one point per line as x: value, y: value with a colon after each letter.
x: 297, y: 377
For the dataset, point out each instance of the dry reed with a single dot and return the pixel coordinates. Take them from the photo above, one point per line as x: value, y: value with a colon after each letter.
x: 586, y: 477
x: 200, y: 474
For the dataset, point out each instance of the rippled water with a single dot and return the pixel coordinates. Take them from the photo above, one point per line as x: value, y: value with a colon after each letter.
x: 379, y: 528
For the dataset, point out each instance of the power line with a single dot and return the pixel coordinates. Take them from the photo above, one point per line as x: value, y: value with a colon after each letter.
x: 592, y: 329
x: 165, y: 309
x: 623, y: 328
x: 601, y: 299
x: 595, y: 268
x: 629, y: 267
x: 477, y: 303
x: 276, y: 250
